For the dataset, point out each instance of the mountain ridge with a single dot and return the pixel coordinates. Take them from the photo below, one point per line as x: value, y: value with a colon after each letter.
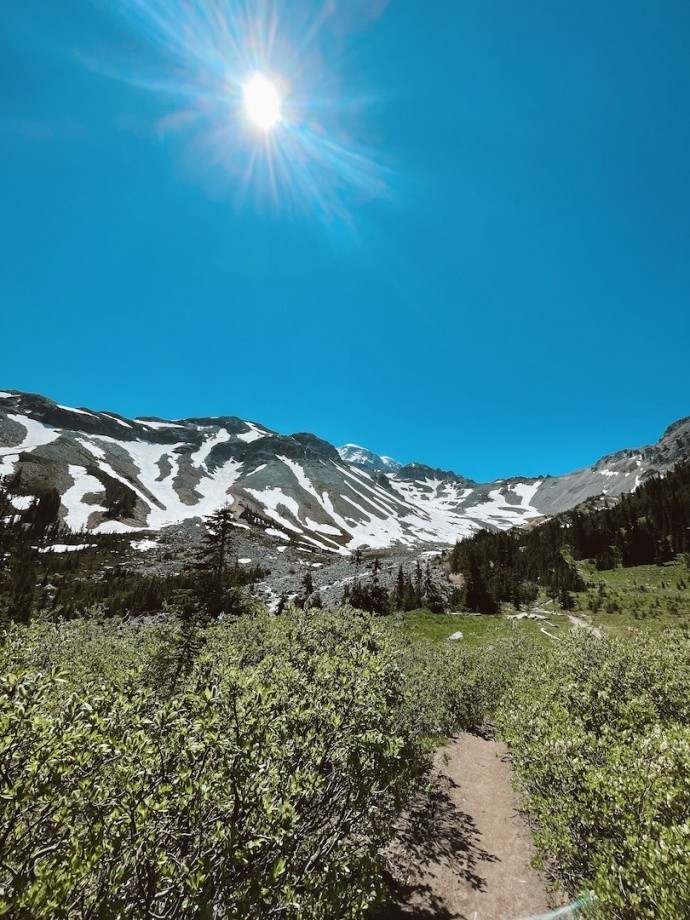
x: 115, y: 474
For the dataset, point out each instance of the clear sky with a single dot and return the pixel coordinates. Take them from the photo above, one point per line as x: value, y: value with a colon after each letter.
x: 475, y: 251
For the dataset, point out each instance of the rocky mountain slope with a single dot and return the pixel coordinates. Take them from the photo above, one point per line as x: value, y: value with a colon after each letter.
x: 115, y: 474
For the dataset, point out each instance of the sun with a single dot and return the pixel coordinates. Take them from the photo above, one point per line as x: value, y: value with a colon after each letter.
x: 262, y: 101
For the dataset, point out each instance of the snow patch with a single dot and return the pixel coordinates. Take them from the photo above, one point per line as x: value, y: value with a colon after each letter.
x: 144, y: 545
x: 37, y: 435
x: 218, y: 437
x: 168, y: 507
x: 323, y: 528
x: 157, y: 425
x: 92, y: 448
x: 272, y: 499
x: 21, y: 502
x: 78, y: 513
x: 76, y: 411
x: 66, y: 547
x: 115, y: 527
x: 253, y: 434
x: 527, y: 490
x: 116, y: 419
x: 272, y: 532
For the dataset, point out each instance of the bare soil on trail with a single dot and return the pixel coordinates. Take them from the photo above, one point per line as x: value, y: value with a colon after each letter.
x: 464, y: 850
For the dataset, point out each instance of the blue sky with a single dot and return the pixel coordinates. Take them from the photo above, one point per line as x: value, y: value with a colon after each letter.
x: 476, y: 254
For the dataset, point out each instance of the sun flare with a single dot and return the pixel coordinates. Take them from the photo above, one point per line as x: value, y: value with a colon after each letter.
x: 262, y: 101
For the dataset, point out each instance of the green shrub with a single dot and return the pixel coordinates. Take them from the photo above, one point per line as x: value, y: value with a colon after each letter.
x: 451, y: 688
x: 600, y: 734
x: 264, y: 786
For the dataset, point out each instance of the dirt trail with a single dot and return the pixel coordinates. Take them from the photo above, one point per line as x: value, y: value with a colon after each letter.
x: 464, y: 852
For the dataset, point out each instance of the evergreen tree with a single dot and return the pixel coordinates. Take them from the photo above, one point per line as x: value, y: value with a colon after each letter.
x: 18, y: 571
x: 178, y: 654
x: 418, y: 593
x: 316, y: 603
x: 427, y: 587
x: 305, y: 599
x: 378, y: 596
x: 477, y: 596
x: 282, y: 603
x: 213, y: 583
x: 432, y: 599
x: 42, y: 514
x: 23, y: 577
x: 357, y: 558
x: 399, y: 594
x: 370, y: 595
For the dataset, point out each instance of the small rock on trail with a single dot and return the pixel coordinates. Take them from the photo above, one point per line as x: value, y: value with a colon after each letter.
x: 464, y: 852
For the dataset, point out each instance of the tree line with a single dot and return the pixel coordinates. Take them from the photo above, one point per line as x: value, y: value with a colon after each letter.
x: 65, y: 585
x: 648, y: 526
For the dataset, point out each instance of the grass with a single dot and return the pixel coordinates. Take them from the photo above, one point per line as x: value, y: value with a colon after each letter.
x: 645, y: 598
x: 476, y: 630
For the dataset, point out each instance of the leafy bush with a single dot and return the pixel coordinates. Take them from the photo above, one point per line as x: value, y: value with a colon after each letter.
x: 600, y: 733
x: 263, y: 786
x: 451, y: 687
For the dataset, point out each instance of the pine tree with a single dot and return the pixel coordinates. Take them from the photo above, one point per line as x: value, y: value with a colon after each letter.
x: 304, y: 601
x: 399, y: 595
x: 23, y: 582
x: 477, y: 596
x: 433, y: 599
x: 515, y: 592
x: 370, y: 595
x: 378, y: 596
x: 282, y: 604
x: 418, y: 593
x: 428, y: 583
x: 357, y: 559
x: 180, y: 649
x: 212, y: 562
x: 565, y: 598
x: 43, y: 513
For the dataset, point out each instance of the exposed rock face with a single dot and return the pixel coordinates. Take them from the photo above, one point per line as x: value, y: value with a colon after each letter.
x: 615, y: 474
x: 418, y: 472
x: 118, y: 474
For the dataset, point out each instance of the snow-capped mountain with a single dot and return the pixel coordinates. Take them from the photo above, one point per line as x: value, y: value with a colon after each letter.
x: 115, y: 474
x: 365, y: 459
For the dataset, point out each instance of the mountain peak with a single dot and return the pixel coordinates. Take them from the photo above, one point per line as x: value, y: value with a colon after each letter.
x: 367, y: 460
